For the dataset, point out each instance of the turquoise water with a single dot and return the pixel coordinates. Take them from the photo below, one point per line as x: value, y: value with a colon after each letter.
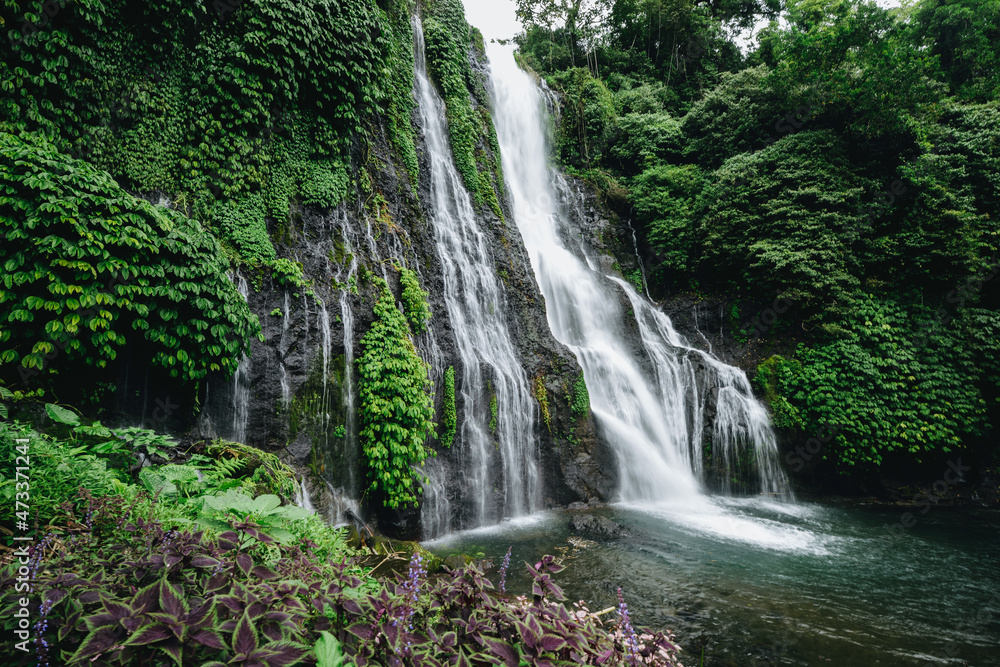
x: 757, y: 583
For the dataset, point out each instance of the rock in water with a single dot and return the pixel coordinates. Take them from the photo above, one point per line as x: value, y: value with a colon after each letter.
x: 597, y: 526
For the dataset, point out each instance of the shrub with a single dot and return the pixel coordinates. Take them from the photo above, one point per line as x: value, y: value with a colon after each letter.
x: 88, y: 265
x: 418, y: 313
x: 396, y: 409
x: 449, y: 417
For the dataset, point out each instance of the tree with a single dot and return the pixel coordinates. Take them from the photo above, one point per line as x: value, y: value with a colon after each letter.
x: 965, y: 36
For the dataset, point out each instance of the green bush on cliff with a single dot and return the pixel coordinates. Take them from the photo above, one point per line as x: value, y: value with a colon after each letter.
x: 889, y: 386
x: 396, y: 410
x: 211, y: 102
x: 88, y: 265
x: 414, y: 298
x: 581, y: 397
x: 449, y: 418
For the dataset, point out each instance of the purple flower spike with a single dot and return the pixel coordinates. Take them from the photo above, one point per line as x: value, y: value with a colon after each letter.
x: 631, y: 645
x: 411, y: 593
x: 503, y: 571
x: 41, y: 627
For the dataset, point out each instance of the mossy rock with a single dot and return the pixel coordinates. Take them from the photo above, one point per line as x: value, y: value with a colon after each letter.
x: 262, y: 472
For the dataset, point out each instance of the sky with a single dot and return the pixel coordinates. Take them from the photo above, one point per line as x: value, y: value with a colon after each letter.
x: 496, y: 20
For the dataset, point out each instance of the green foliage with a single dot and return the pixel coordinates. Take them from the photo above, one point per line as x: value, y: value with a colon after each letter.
x: 772, y: 376
x: 642, y: 140
x: 414, y: 299
x: 962, y: 34
x: 493, y: 412
x: 88, y: 266
x: 5, y: 395
x: 580, y: 405
x: 889, y: 390
x: 739, y: 115
x: 328, y: 651
x: 447, y: 37
x: 396, y: 409
x: 586, y: 123
x: 262, y: 472
x: 665, y: 198
x: 401, y: 103
x: 58, y: 470
x: 778, y: 221
x: 214, y: 103
x: 273, y: 518
x: 449, y: 418
x: 288, y: 273
x: 241, y: 224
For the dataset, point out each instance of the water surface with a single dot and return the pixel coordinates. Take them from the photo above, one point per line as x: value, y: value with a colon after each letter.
x: 760, y: 583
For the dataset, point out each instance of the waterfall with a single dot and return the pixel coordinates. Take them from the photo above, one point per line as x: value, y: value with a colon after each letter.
x: 241, y: 382
x: 302, y: 497
x: 500, y: 468
x: 286, y: 385
x: 648, y: 393
x: 345, y: 277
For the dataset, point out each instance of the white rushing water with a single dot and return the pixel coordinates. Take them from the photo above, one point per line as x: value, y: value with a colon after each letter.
x: 302, y: 496
x: 648, y: 392
x: 500, y: 468
x: 346, y: 276
x: 241, y: 382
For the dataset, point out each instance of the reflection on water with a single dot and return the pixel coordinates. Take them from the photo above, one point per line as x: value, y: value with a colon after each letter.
x: 759, y: 583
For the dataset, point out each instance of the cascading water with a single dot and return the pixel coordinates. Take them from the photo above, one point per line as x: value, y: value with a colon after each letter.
x: 286, y: 383
x: 649, y: 395
x: 500, y: 468
x: 302, y: 497
x: 241, y: 382
x: 346, y: 276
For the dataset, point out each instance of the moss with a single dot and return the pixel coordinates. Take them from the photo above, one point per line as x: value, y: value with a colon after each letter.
x: 414, y: 298
x: 581, y: 397
x: 264, y: 473
x: 401, y: 100
x: 542, y: 396
x: 493, y: 412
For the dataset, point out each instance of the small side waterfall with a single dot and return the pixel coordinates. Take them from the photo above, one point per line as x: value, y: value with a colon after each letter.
x: 346, y: 276
x: 500, y: 468
x: 302, y: 497
x: 286, y: 385
x: 649, y: 395
x: 241, y: 382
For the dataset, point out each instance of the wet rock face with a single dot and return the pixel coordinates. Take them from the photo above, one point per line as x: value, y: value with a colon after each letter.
x: 301, y: 390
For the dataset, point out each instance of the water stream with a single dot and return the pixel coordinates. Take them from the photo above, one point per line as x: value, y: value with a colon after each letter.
x: 241, y: 382
x: 499, y: 467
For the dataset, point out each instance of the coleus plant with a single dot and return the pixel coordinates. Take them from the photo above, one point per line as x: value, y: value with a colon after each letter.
x: 130, y: 590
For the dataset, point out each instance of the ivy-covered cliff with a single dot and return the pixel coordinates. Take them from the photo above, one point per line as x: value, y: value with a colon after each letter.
x: 188, y: 161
